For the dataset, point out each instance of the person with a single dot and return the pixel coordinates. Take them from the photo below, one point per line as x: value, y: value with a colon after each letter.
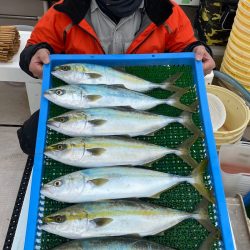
x: 107, y: 27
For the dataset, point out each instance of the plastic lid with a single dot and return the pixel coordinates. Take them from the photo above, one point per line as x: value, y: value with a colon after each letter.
x: 217, y: 111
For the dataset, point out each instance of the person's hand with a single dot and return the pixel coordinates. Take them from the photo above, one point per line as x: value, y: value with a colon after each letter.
x: 36, y: 64
x: 201, y: 54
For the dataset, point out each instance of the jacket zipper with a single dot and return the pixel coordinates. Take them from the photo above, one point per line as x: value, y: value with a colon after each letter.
x: 99, y: 44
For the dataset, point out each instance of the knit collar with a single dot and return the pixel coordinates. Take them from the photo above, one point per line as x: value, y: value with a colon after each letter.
x: 94, y: 5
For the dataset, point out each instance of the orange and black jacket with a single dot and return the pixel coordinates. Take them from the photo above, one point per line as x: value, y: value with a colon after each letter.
x: 66, y: 28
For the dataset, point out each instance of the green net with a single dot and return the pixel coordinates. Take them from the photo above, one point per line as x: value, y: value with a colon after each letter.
x: 188, y: 234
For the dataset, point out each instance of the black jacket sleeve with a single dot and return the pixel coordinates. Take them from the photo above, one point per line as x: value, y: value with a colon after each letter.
x: 27, y: 54
x: 191, y: 46
x: 27, y: 134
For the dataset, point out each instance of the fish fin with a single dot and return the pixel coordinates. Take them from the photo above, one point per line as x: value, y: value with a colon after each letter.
x: 169, y: 84
x: 100, y: 222
x: 203, y: 217
x: 175, y: 77
x: 194, y: 105
x: 133, y: 236
x: 127, y: 136
x: 97, y: 122
x: 94, y: 75
x: 120, y: 86
x: 184, y: 151
x: 179, y: 105
x: 96, y: 151
x: 93, y: 98
x: 209, y: 241
x: 174, y: 101
x: 186, y: 120
x: 160, y: 234
x: 149, y: 165
x: 197, y: 175
x: 99, y: 181
x: 124, y: 108
x: 151, y: 134
x: 157, y: 195
x: 186, y: 157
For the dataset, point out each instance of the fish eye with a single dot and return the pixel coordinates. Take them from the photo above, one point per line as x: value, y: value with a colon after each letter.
x: 59, y: 92
x: 65, y: 68
x: 57, y: 183
x: 62, y: 119
x: 60, y: 218
x: 61, y: 146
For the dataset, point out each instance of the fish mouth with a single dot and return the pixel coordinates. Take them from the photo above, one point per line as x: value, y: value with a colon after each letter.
x: 47, y: 94
x: 46, y: 190
x: 47, y: 227
x: 53, y: 124
x: 57, y: 75
x: 49, y: 151
x: 56, y: 68
x: 47, y: 220
x: 44, y: 226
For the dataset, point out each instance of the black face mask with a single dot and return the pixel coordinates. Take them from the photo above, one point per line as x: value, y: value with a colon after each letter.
x: 118, y: 8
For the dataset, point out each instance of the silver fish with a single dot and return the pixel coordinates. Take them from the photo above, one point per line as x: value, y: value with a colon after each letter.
x: 96, y: 96
x: 112, y: 243
x: 84, y: 73
x: 117, y: 218
x: 113, y: 151
x: 115, y: 121
x: 119, y: 182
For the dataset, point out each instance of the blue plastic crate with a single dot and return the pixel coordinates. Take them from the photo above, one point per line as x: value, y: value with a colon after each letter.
x: 130, y: 60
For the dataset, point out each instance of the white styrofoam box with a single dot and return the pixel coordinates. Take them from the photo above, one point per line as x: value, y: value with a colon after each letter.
x: 209, y: 78
x: 235, y: 168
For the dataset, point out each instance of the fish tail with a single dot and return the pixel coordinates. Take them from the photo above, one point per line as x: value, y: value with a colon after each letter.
x: 198, y: 183
x: 174, y: 101
x: 201, y: 215
x: 169, y: 84
x: 184, y: 151
x: 187, y: 121
x: 209, y: 241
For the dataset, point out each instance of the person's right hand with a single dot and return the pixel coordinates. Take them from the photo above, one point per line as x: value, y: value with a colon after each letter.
x: 36, y: 64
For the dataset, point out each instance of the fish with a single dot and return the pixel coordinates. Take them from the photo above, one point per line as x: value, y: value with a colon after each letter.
x: 119, y: 182
x: 87, y: 152
x: 112, y: 243
x: 119, y: 218
x: 115, y: 121
x: 85, y: 73
x: 98, y: 96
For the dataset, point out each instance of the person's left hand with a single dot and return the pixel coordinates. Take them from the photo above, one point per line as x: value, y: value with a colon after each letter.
x: 201, y: 54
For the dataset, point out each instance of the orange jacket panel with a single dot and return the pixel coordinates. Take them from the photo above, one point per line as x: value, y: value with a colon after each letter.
x: 172, y: 36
